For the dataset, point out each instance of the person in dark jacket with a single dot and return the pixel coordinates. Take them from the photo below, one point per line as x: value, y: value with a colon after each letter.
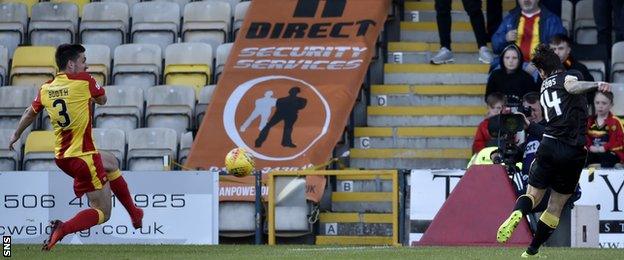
x: 510, y: 79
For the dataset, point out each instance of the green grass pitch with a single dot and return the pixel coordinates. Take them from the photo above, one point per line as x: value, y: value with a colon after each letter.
x: 248, y: 252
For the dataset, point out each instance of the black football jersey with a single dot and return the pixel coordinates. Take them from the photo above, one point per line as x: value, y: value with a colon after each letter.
x: 565, y: 113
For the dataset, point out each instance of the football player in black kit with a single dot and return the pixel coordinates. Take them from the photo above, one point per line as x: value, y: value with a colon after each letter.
x: 561, y: 155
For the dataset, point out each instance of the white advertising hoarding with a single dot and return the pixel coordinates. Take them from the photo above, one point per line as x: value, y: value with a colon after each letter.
x: 179, y: 208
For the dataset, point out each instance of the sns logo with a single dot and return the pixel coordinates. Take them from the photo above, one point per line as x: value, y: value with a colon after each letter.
x: 6, y: 246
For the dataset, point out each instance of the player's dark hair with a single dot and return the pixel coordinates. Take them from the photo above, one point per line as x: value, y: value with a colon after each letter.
x: 546, y: 59
x: 559, y: 38
x: 531, y: 97
x: 67, y: 52
x: 494, y: 98
x: 608, y: 95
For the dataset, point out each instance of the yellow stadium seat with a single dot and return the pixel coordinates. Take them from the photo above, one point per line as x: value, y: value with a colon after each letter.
x: 33, y: 65
x: 188, y: 64
x: 39, y: 142
x: 79, y: 3
x: 28, y: 3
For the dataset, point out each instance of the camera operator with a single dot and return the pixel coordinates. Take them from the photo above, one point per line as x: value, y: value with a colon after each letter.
x: 534, y: 128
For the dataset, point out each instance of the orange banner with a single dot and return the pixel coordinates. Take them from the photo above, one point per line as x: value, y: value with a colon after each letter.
x: 290, y: 82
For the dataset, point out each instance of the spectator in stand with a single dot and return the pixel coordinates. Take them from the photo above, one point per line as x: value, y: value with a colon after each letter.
x: 443, y: 17
x: 527, y: 27
x: 496, y: 103
x: 604, y: 136
x: 561, y: 44
x: 609, y: 17
x: 511, y: 79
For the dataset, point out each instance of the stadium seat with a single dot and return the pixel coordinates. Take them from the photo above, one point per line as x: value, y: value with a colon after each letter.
x: 4, y: 64
x: 137, y: 65
x: 207, y: 22
x: 33, y: 65
x: 112, y: 141
x: 205, y: 96
x: 147, y: 148
x: 181, y: 4
x: 618, y: 99
x: 232, y: 3
x: 45, y: 121
x: 9, y: 160
x: 80, y: 3
x: 222, y: 55
x: 105, y: 23
x: 123, y: 110
x: 129, y: 3
x: 13, y: 23
x: 617, y: 62
x: 13, y: 101
x: 185, y: 146
x: 39, y: 152
x: 53, y: 23
x: 596, y: 69
x: 28, y: 3
x: 98, y: 62
x: 567, y: 13
x: 188, y: 64
x: 170, y: 107
x: 155, y: 23
x: 585, y: 31
x: 239, y: 15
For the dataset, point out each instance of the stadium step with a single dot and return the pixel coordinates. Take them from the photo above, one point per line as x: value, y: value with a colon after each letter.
x: 362, y: 202
x: 382, y: 183
x: 414, y: 137
x: 355, y: 224
x: 426, y: 115
x: 436, y: 74
x: 422, y: 52
x: 426, y: 10
x: 410, y: 158
x: 428, y: 32
x: 353, y: 240
x: 427, y: 95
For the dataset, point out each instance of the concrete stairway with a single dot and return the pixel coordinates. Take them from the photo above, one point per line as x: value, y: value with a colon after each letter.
x: 425, y: 116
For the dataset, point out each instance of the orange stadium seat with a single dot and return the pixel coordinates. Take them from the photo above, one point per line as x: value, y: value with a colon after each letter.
x: 13, y: 23
x: 33, y: 65
x: 98, y: 61
x: 39, y: 151
x: 137, y: 65
x: 123, y: 110
x: 170, y: 107
x: 155, y: 23
x: 53, y: 23
x: 207, y: 22
x: 188, y: 64
x: 147, y: 148
x: 105, y: 23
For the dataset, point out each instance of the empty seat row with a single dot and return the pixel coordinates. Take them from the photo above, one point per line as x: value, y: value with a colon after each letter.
x: 188, y: 64
x: 138, y: 150
x: 109, y: 23
x: 128, y: 108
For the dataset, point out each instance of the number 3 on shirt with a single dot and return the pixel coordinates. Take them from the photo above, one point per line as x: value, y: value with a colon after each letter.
x: 551, y: 100
x: 62, y: 112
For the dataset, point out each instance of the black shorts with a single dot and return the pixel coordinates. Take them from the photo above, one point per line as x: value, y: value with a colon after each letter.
x: 557, y: 166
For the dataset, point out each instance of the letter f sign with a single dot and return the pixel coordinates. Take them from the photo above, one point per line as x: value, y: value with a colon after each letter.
x: 308, y: 8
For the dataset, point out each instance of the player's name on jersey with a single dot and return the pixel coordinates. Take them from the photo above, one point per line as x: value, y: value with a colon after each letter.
x: 64, y: 92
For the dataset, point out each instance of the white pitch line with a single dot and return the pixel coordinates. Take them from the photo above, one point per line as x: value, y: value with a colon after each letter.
x: 339, y: 248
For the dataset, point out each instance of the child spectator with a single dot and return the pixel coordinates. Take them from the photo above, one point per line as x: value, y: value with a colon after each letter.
x: 496, y: 103
x: 604, y: 135
x: 511, y: 79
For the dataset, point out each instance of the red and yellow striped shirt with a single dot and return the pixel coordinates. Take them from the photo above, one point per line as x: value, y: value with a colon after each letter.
x: 67, y: 99
x: 528, y: 34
